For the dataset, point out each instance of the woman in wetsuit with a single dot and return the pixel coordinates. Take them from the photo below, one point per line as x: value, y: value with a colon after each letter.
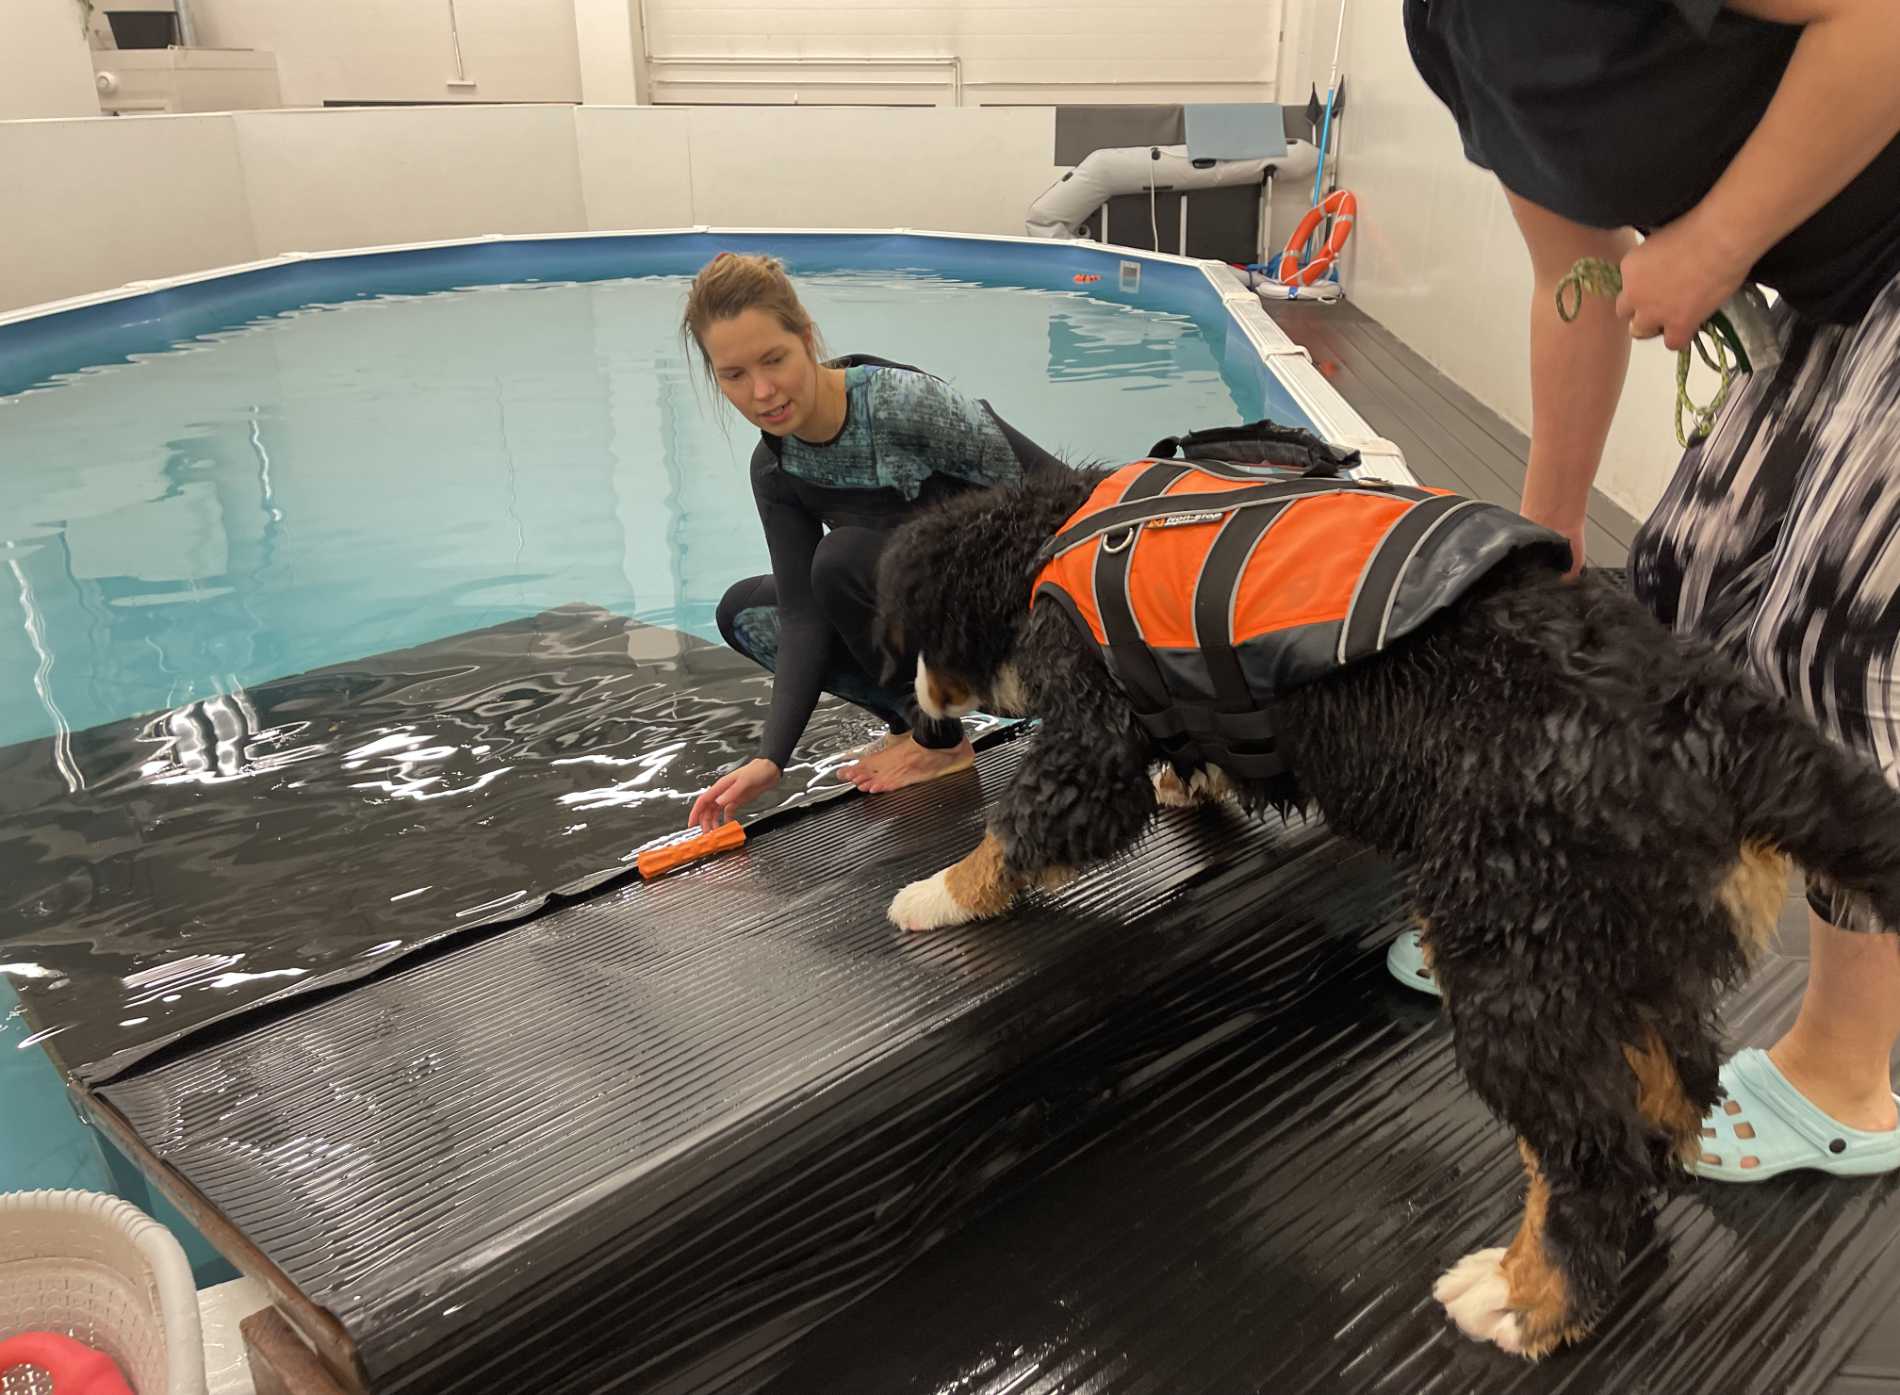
x: 849, y: 448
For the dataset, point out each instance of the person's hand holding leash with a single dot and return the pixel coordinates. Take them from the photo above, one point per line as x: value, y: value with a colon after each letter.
x: 1677, y: 278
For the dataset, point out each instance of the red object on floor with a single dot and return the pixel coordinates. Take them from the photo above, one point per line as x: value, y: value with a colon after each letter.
x: 658, y: 861
x: 76, y: 1368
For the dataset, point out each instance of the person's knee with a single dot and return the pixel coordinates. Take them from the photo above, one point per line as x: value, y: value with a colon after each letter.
x: 730, y: 605
x: 740, y: 596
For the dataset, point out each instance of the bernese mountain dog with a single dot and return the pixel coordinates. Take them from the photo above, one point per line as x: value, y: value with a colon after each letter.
x: 1592, y: 819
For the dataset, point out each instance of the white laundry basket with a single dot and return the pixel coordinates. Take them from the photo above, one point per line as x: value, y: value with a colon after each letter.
x: 104, y: 1273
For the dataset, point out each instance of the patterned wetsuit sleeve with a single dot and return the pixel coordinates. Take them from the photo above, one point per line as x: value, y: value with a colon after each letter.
x: 925, y: 427
x: 791, y: 536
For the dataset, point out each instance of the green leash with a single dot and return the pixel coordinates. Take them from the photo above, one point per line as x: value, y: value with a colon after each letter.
x: 1598, y: 277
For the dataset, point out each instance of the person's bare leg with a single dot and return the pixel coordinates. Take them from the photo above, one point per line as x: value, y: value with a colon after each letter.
x: 1839, y: 1053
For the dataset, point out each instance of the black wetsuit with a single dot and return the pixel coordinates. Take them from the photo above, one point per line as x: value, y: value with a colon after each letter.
x: 908, y: 440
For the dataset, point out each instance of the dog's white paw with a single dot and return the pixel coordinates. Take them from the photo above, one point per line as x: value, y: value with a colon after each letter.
x: 928, y: 905
x: 1477, y: 1295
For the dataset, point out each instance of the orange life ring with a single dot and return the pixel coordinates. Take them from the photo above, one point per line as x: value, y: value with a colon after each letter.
x: 1341, y: 207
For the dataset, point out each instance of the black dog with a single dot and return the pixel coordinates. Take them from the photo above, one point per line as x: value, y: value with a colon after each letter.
x: 1592, y: 818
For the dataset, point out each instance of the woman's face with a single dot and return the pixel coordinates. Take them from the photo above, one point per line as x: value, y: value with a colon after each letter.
x: 765, y: 370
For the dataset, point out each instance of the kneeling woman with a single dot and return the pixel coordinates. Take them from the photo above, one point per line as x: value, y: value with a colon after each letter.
x: 849, y: 449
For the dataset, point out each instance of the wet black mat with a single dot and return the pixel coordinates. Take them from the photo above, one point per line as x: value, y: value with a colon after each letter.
x: 1268, y: 1209
x: 162, y: 874
x: 647, y: 1141
x: 664, y: 1128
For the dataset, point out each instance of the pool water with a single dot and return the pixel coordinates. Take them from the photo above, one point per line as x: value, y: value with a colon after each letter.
x: 344, y: 480
x: 347, y: 480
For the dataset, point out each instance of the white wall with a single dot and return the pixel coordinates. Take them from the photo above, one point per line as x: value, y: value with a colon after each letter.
x: 98, y: 202
x: 954, y: 171
x: 1023, y: 52
x: 403, y: 50
x: 636, y: 167
x: 608, y: 37
x: 356, y: 178
x: 45, y: 63
x: 1435, y: 255
x: 1011, y: 51
x: 102, y: 202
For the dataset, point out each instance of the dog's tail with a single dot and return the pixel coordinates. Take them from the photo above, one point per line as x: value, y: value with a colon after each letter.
x: 1824, y: 806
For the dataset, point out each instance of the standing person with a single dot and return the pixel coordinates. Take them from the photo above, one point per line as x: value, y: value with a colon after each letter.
x: 1752, y: 140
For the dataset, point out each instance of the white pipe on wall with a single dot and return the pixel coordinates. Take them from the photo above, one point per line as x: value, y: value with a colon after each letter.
x: 1063, y: 207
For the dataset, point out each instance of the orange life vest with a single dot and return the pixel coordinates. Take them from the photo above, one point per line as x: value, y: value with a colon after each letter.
x: 1212, y: 588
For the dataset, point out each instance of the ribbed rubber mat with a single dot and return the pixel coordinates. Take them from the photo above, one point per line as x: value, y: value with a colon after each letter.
x: 165, y: 874
x: 1292, y: 1167
x: 646, y: 1138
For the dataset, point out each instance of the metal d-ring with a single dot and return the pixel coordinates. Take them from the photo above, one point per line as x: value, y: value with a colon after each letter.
x: 1127, y: 536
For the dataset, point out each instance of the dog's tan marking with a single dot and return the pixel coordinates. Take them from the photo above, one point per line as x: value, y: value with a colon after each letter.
x: 1206, y: 786
x: 1008, y: 697
x: 1539, y: 1293
x: 948, y: 694
x: 1424, y: 928
x: 1660, y: 1098
x: 979, y: 883
x: 1055, y: 878
x: 1215, y: 785
x: 1171, y: 791
x: 1752, y: 894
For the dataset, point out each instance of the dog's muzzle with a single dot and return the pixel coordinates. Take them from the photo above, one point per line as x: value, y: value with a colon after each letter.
x: 939, y: 700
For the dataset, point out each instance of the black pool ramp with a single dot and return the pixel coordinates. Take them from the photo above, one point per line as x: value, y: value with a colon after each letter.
x: 1172, y: 1130
x: 643, y: 1140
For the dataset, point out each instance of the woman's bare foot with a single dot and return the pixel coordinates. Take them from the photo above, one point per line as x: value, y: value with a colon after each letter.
x: 871, y: 748
x: 903, y: 762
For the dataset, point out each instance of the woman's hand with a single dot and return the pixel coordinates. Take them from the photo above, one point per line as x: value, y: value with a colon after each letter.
x: 1835, y: 109
x: 1571, y: 529
x: 730, y: 792
x: 1679, y: 277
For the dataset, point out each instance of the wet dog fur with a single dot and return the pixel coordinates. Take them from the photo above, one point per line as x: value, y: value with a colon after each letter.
x: 1592, y: 819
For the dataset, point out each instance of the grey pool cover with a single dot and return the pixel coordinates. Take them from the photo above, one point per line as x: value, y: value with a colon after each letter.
x: 164, y: 874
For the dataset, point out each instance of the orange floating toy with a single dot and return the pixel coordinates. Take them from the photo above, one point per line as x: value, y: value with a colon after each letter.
x: 657, y: 862
x: 75, y: 1368
x: 1083, y: 278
